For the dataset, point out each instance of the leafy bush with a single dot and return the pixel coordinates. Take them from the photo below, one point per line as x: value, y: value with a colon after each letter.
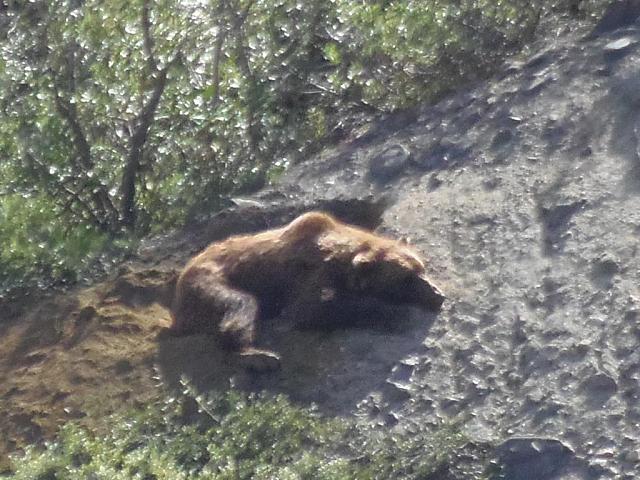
x: 252, y: 437
x: 37, y: 247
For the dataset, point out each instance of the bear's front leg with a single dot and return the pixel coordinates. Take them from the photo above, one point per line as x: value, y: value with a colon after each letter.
x: 238, y: 331
x: 205, y: 303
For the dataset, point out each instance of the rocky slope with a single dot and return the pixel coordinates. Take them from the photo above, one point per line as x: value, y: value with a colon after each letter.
x: 524, y: 195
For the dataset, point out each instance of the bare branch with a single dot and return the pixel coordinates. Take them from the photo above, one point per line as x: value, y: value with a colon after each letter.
x: 148, y: 43
x: 220, y: 38
x: 253, y: 130
x: 237, y: 25
x: 69, y: 113
x: 136, y: 145
x: 144, y: 121
x: 244, y: 13
x: 71, y: 196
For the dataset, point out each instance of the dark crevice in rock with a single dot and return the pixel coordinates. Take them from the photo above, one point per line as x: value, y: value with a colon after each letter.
x: 555, y: 221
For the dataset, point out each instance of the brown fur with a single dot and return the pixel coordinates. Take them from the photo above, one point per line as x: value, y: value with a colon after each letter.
x: 231, y: 284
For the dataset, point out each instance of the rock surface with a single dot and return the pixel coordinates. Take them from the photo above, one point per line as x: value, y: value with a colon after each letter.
x: 524, y: 193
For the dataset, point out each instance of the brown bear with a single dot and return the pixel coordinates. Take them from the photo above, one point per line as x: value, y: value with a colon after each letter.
x: 232, y: 284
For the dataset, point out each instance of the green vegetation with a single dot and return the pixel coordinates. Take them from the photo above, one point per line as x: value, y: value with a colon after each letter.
x: 240, y: 437
x: 37, y: 247
x: 126, y: 117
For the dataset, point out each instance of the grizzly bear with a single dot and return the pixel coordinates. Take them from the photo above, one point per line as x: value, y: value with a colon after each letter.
x: 227, y: 288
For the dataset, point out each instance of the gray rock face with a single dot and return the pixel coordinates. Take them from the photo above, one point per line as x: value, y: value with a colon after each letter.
x: 532, y: 458
x: 620, y: 13
x: 524, y: 195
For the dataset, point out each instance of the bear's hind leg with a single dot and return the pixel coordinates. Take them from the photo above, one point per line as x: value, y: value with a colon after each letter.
x: 237, y: 327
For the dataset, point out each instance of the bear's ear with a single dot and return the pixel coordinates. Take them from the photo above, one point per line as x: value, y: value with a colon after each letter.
x: 364, y: 257
x: 398, y: 259
x: 405, y: 240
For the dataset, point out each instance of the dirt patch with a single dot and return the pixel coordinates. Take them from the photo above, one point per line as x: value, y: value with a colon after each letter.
x: 75, y: 356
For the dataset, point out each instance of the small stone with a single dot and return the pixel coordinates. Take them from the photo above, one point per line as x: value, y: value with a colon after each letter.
x: 411, y: 361
x: 618, y: 45
x: 394, y: 392
x: 491, y: 183
x: 123, y: 367
x: 532, y: 458
x: 443, y: 153
x: 603, y: 271
x: 390, y: 419
x: 501, y: 138
x: 401, y: 373
x: 607, y: 265
x: 618, y: 49
x: 539, y: 61
x: 74, y: 412
x: 512, y: 67
x: 586, y: 152
x: 600, y: 383
x: 538, y: 84
x: 34, y: 358
x: 86, y: 314
x: 260, y: 360
x: 390, y: 163
x: 434, y: 182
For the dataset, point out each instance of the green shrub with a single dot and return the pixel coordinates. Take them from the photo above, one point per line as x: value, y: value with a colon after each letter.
x: 38, y: 248
x: 240, y: 437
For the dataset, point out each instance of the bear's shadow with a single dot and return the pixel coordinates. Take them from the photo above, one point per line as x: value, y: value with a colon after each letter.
x: 333, y: 367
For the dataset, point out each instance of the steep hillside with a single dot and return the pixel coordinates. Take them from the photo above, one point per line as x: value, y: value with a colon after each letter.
x: 523, y: 194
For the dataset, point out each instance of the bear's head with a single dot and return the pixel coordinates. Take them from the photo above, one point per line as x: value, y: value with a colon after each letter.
x: 394, y: 272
